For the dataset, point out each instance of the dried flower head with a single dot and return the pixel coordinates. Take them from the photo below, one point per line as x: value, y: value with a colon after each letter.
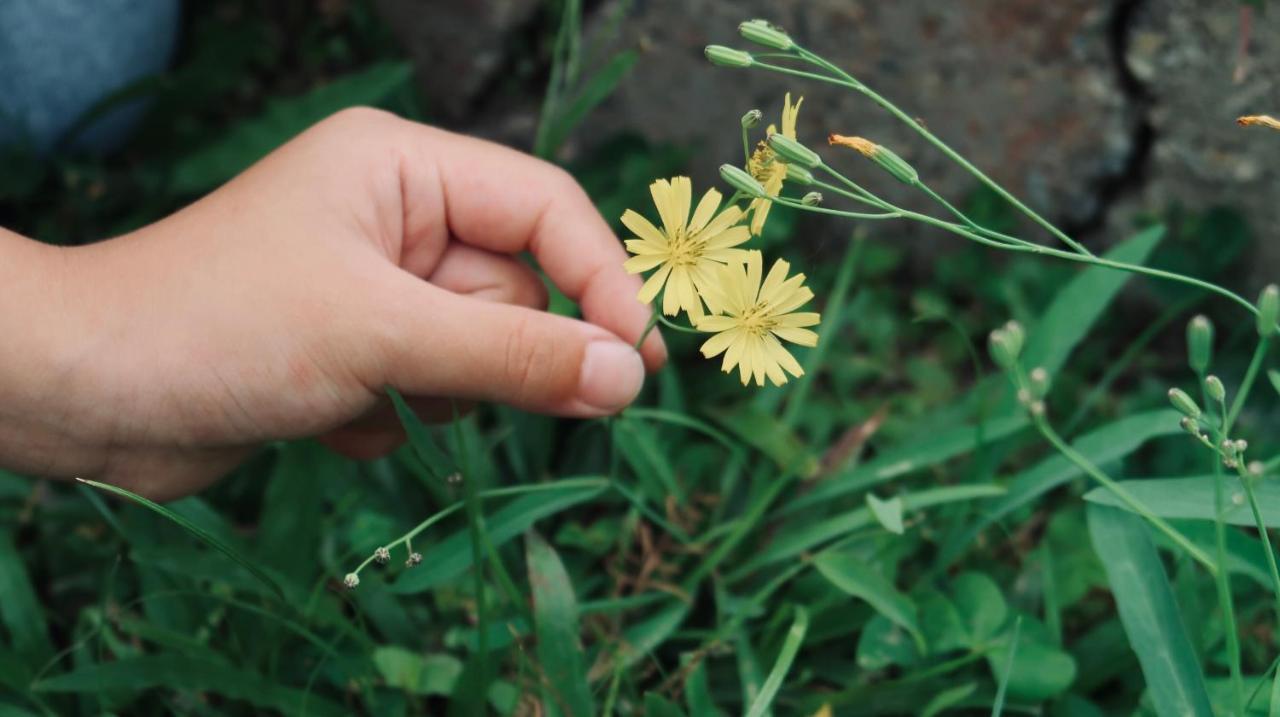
x: 414, y: 559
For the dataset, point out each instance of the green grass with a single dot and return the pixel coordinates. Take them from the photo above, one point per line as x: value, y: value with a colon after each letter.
x: 888, y: 536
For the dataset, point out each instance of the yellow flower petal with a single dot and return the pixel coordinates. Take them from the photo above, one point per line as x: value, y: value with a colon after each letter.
x: 782, y: 356
x: 653, y: 284
x: 797, y: 299
x: 803, y: 337
x: 717, y: 344
x: 774, y: 281
x: 716, y: 323
x: 671, y: 297
x: 755, y: 266
x: 681, y: 196
x: 645, y: 248
x: 727, y: 256
x: 643, y: 228
x: 733, y: 356
x: 661, y: 192
x: 725, y: 219
x: 789, y: 114
x: 637, y: 264
x: 805, y: 318
x: 732, y: 236
x: 706, y: 210
x: 759, y: 212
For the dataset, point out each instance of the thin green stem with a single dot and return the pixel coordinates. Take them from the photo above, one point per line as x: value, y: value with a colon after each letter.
x: 837, y: 212
x: 1250, y: 375
x: 653, y: 321
x: 1247, y: 481
x: 806, y: 75
x: 1124, y: 495
x: 1223, y: 577
x: 677, y: 327
x: 942, y: 147
x: 969, y: 222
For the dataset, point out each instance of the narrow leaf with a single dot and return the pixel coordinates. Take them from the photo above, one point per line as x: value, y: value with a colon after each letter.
x: 853, y: 576
x: 555, y: 614
x: 887, y: 512
x: 790, y: 647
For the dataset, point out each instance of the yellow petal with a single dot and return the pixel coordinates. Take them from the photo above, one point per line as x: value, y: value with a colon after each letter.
x: 681, y: 197
x: 716, y: 323
x: 782, y: 356
x: 643, y: 228
x: 730, y: 216
x: 653, y: 284
x: 671, y: 297
x: 777, y: 275
x: 704, y: 282
x: 758, y: 365
x: 726, y: 256
x: 803, y: 318
x: 797, y: 299
x: 637, y: 264
x: 784, y: 293
x: 706, y: 209
x: 759, y: 212
x: 717, y: 344
x: 789, y: 114
x: 645, y: 248
x: 689, y: 300
x: 755, y: 261
x: 732, y: 236
x: 803, y: 337
x: 733, y: 356
x: 661, y: 192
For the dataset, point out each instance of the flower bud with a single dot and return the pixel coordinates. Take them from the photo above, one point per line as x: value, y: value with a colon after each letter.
x: 414, y: 559
x: 1184, y: 403
x: 1228, y: 448
x: 1189, y: 426
x: 728, y: 57
x: 1255, y: 468
x: 351, y: 581
x: 752, y: 118
x: 883, y: 156
x: 792, y: 151
x: 1016, y: 335
x: 382, y: 556
x: 1003, y: 348
x: 1268, y: 310
x: 799, y: 175
x: 1241, y: 446
x: 1214, y: 389
x: 738, y: 178
x: 1039, y: 381
x: 1199, y: 343
x: 1258, y: 121
x: 812, y: 199
x: 762, y: 33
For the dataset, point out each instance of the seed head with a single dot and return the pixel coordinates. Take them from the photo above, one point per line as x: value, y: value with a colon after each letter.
x: 1241, y: 446
x: 351, y: 581
x: 382, y: 556
x: 1039, y: 380
x: 414, y: 559
x: 752, y: 118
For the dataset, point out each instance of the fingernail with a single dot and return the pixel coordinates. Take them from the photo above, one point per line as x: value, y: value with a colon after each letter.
x: 612, y: 375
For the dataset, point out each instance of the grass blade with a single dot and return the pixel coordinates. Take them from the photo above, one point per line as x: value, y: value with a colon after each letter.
x: 20, y: 611
x: 790, y: 647
x: 1193, y: 498
x: 998, y: 707
x: 1149, y: 612
x: 555, y: 615
x: 195, y: 530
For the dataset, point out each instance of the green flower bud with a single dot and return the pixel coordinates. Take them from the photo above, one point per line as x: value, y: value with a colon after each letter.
x: 812, y: 199
x: 1003, y: 349
x: 728, y: 57
x: 1184, y: 403
x: 1228, y: 448
x: 762, y: 33
x: 1016, y: 335
x: 1038, y: 381
x: 883, y: 156
x: 1214, y: 389
x: 752, y: 118
x: 1199, y: 343
x: 1268, y: 310
x: 793, y: 152
x: 799, y: 175
x: 1189, y: 426
x: 738, y: 178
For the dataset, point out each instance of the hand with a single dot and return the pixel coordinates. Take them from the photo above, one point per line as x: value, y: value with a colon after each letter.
x: 369, y: 251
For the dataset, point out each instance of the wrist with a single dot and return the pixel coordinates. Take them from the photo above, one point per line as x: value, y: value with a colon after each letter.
x: 40, y: 430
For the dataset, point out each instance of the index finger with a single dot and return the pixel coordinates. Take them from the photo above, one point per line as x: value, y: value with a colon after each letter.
x: 502, y: 200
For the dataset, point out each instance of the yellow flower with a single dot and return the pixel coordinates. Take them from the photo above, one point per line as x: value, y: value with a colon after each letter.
x: 755, y: 316
x: 688, y: 250
x: 765, y: 166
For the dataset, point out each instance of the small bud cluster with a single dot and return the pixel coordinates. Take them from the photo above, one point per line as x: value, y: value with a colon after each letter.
x: 1005, y: 345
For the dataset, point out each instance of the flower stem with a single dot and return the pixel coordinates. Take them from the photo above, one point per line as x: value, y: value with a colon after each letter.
x: 653, y: 321
x: 1250, y: 375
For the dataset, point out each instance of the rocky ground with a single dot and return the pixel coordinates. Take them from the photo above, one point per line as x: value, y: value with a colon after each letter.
x: 1094, y: 112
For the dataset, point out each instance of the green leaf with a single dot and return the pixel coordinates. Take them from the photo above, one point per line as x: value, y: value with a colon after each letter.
x: 432, y: 457
x: 20, y: 609
x: 601, y: 85
x: 452, y: 556
x: 1040, y: 671
x: 416, y: 673
x: 766, y: 434
x: 887, y: 512
x: 655, y: 705
x: 697, y: 693
x: 174, y: 671
x: 904, y: 459
x: 980, y: 606
x: 948, y: 698
x: 1274, y: 376
x: 1194, y: 498
x: 200, y: 534
x: 793, y: 540
x: 1081, y: 302
x: 641, y: 448
x: 882, y: 644
x: 787, y: 655
x: 252, y: 139
x: 555, y: 614
x: 293, y: 506
x: 1149, y: 612
x: 853, y: 576
x: 1102, y: 445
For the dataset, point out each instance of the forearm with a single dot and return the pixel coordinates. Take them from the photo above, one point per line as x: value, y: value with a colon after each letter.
x: 37, y: 428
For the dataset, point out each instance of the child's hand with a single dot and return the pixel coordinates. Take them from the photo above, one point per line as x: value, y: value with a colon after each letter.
x: 370, y: 251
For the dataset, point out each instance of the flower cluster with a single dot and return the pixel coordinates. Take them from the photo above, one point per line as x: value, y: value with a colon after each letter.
x: 700, y: 268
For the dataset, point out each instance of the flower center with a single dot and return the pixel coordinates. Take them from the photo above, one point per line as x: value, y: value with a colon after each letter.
x: 685, y: 251
x: 758, y: 320
x: 764, y: 163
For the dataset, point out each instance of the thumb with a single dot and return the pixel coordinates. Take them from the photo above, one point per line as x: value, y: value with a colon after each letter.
x: 448, y: 345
